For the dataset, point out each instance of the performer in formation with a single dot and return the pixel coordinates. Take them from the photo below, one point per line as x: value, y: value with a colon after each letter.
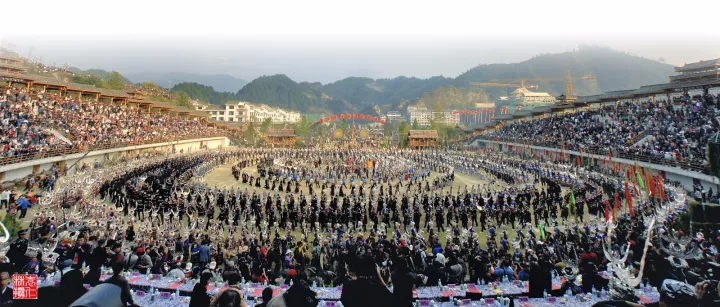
x: 319, y: 212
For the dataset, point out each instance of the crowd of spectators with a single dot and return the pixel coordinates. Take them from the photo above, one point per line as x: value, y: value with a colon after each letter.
x: 49, y: 68
x: 20, y: 133
x: 152, y: 91
x: 659, y: 130
x: 27, y: 120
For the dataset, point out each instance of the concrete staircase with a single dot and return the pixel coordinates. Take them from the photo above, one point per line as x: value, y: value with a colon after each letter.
x: 645, y: 139
x: 59, y: 135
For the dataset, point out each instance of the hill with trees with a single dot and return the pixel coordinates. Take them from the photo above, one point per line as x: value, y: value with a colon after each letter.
x: 612, y: 69
x: 282, y: 92
x: 110, y: 80
x: 203, y: 93
x: 453, y: 98
x: 220, y: 82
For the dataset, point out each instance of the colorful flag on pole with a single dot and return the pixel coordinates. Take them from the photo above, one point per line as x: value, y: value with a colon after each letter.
x: 660, y: 185
x: 640, y: 180
x: 617, y: 205
x: 607, y: 210
x: 628, y: 197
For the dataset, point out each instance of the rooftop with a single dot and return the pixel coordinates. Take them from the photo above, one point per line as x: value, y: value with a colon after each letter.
x: 11, y: 66
x: 75, y: 87
x: 648, y: 90
x: 10, y: 58
x: 280, y: 132
x: 423, y: 134
x: 699, y: 65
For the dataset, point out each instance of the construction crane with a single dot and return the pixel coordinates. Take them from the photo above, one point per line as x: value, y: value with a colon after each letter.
x: 568, y: 81
x: 493, y: 84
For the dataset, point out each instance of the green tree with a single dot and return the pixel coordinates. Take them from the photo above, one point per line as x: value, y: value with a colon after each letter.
x: 250, y: 133
x: 303, y: 126
x: 438, y: 115
x: 415, y: 125
x: 88, y: 79
x: 163, y: 99
x: 344, y: 125
x: 183, y: 99
x: 265, y: 125
x: 204, y: 93
x: 388, y: 128
x: 149, y: 85
x: 403, y: 129
x: 12, y: 224
x: 114, y: 80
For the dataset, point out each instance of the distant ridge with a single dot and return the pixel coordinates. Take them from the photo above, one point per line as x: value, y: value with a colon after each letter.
x: 220, y: 82
x: 614, y: 70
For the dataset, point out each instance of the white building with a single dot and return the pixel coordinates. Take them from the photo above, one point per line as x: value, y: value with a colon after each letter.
x: 523, y: 96
x: 199, y: 106
x: 394, y: 117
x: 245, y: 112
x: 423, y: 116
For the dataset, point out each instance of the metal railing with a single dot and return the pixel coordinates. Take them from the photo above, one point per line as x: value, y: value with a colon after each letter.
x: 636, y: 139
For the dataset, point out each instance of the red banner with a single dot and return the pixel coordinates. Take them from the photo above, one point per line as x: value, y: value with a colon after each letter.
x: 617, y: 205
x: 607, y: 211
x: 628, y: 197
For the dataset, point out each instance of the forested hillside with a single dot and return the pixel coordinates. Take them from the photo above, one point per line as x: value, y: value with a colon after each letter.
x: 204, y: 93
x: 613, y: 70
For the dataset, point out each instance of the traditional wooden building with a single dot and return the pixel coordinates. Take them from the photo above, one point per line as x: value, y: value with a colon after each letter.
x: 280, y: 137
x: 422, y: 138
x: 12, y: 68
x: 699, y: 71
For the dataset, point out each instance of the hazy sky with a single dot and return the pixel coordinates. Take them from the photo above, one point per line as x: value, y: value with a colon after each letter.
x: 318, y: 40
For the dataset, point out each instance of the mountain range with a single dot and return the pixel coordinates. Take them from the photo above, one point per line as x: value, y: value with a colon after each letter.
x: 613, y: 70
x: 221, y: 82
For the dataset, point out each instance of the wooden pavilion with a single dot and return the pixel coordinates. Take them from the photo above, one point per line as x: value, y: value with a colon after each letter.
x: 422, y: 138
x: 280, y: 137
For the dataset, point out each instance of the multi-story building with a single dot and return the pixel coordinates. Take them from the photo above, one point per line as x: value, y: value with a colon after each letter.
x: 423, y: 116
x: 394, y: 117
x: 245, y: 112
x: 698, y: 71
x: 528, y: 98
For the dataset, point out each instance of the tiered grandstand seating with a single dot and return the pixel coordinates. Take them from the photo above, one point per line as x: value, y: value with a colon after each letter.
x: 27, y: 118
x: 678, y: 133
